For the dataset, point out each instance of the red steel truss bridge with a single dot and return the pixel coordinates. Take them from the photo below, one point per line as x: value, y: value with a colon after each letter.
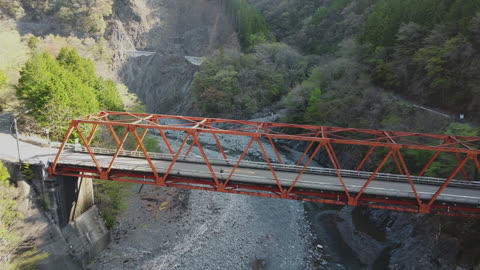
x: 343, y: 166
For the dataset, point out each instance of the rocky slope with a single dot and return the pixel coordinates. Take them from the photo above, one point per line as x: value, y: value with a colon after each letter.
x: 171, y: 29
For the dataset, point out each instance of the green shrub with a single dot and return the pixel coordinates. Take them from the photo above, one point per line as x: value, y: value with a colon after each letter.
x: 3, y: 80
x: 33, y: 42
x: 27, y: 172
x: 4, y: 175
x: 111, y: 199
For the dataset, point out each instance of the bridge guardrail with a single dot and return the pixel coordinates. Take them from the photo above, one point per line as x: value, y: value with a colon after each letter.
x: 283, y: 167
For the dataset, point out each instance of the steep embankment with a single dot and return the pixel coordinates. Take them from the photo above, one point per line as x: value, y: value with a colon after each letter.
x: 172, y: 29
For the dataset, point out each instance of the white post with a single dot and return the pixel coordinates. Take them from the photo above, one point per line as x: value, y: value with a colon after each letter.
x: 16, y: 136
x: 49, y: 144
x: 77, y: 147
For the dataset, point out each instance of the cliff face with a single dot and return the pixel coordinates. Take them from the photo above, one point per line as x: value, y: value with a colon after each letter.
x: 171, y: 29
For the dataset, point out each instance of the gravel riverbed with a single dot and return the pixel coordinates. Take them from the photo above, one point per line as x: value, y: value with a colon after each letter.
x: 168, y: 228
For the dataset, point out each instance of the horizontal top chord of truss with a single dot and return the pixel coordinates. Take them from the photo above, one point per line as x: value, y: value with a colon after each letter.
x: 337, y: 135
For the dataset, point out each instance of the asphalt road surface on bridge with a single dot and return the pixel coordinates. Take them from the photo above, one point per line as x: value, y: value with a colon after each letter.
x: 317, y: 179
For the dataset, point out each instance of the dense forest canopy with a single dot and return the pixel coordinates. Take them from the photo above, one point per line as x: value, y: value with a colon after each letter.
x: 427, y: 51
x: 239, y: 86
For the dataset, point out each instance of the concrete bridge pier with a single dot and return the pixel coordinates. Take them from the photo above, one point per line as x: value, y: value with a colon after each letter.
x: 77, y: 231
x: 74, y: 196
x: 80, y: 221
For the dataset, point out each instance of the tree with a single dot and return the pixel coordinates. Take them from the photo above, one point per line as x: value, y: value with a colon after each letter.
x: 13, y: 8
x: 249, y: 22
x: 105, y: 90
x: 44, y: 83
x: 81, y: 67
x: 108, y: 95
x: 446, y: 163
x: 94, y: 23
x: 59, y: 90
x: 313, y: 110
x: 239, y: 85
x: 475, y: 28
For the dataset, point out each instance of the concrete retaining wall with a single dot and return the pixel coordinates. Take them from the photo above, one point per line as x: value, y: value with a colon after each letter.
x: 70, y: 227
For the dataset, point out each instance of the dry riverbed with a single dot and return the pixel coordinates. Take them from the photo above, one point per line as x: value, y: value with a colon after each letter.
x: 168, y: 228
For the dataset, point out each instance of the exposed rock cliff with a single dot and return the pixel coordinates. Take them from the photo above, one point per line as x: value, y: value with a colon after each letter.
x: 172, y: 29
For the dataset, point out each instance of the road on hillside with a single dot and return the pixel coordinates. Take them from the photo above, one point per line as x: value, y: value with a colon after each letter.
x: 28, y: 152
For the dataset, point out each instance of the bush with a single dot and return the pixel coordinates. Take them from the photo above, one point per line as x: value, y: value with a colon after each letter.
x: 111, y: 199
x: 33, y: 42
x: 3, y: 80
x: 27, y: 172
x: 4, y: 175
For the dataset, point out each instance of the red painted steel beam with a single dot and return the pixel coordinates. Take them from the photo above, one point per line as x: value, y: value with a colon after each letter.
x: 391, y: 143
x: 276, y: 135
x: 338, y: 198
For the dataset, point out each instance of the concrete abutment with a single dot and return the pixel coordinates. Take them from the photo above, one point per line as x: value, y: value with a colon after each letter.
x: 75, y: 230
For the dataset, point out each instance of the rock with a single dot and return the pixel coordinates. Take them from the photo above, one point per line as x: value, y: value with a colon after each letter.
x: 172, y: 29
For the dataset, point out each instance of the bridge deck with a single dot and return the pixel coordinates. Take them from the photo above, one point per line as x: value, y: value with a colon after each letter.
x: 384, y: 185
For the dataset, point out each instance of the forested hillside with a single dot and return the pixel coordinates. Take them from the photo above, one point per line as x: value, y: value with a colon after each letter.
x: 426, y: 51
x: 364, y: 64
x: 248, y: 21
x: 350, y: 63
x: 238, y: 86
